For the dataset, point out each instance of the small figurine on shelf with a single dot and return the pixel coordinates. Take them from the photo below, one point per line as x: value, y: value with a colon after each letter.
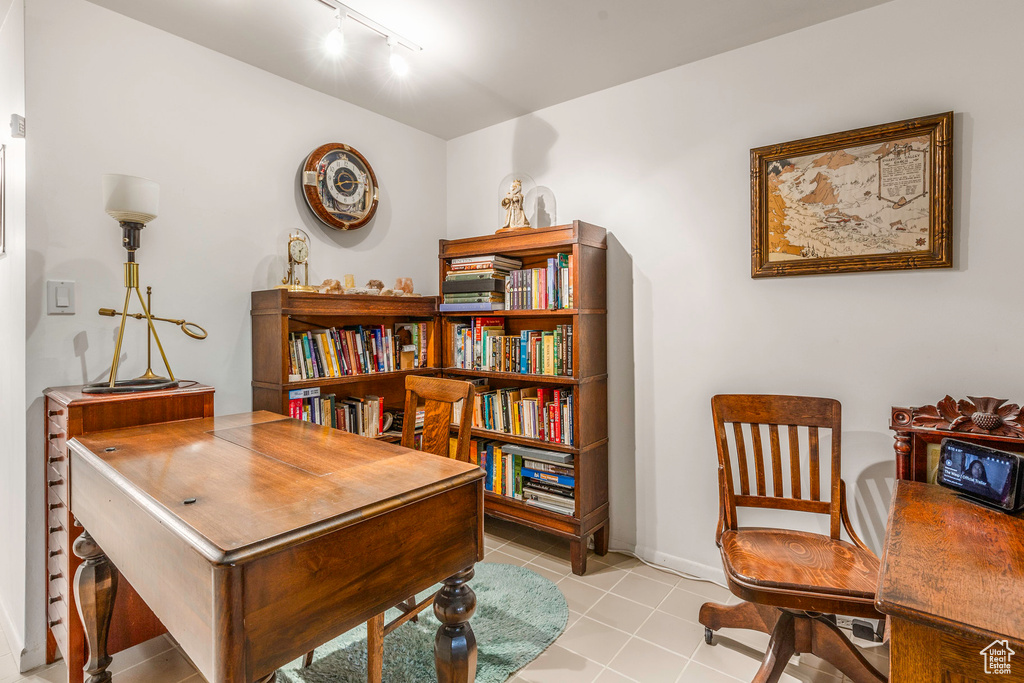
x: 404, y: 284
x: 350, y: 282
x: 515, y: 217
x: 376, y: 285
x: 331, y: 287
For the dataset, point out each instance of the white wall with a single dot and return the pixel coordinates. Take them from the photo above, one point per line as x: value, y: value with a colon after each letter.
x: 107, y: 94
x: 663, y: 163
x: 12, y: 331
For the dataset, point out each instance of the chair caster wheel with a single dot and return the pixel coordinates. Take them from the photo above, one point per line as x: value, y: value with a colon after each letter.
x: 708, y: 636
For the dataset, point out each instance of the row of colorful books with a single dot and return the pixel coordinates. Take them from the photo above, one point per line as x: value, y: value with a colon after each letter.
x: 549, y: 288
x: 482, y: 344
x: 540, y: 413
x: 477, y: 283
x: 357, y: 350
x: 539, y: 478
x: 363, y: 416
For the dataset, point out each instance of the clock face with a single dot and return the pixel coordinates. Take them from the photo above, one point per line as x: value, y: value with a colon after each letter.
x: 299, y: 250
x: 340, y: 187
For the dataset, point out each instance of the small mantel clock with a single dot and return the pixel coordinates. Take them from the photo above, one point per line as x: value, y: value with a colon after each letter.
x: 298, y: 255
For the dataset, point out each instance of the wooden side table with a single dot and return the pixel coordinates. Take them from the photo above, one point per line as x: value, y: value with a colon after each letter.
x: 70, y: 413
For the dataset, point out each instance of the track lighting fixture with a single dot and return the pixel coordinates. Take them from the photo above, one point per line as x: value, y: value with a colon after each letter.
x: 335, y: 41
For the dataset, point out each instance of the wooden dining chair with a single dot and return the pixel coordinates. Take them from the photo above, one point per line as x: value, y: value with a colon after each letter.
x: 792, y: 583
x: 437, y: 397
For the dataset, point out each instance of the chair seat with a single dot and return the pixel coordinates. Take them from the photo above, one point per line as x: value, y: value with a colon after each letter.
x: 780, y: 559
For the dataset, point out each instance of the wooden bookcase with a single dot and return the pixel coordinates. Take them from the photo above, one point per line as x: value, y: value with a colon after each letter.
x: 276, y: 313
x: 589, y: 383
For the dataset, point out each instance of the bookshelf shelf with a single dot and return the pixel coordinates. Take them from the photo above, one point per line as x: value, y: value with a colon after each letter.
x: 277, y: 313
x: 355, y: 379
x: 587, y: 246
x: 497, y: 501
x: 521, y: 440
x: 517, y: 313
x: 513, y: 376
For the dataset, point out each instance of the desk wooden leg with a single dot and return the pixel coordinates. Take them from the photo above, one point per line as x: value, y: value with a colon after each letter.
x: 455, y: 644
x: 95, y: 589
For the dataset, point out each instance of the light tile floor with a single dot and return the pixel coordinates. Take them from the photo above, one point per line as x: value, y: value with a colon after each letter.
x: 627, y: 622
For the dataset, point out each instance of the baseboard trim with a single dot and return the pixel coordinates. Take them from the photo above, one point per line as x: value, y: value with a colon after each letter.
x: 681, y: 564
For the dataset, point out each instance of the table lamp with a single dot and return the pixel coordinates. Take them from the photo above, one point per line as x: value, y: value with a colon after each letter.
x: 134, y: 202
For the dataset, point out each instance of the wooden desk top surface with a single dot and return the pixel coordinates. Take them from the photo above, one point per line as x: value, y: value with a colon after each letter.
x: 262, y: 482
x: 952, y: 564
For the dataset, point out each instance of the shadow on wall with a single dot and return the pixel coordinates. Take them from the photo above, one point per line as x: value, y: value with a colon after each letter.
x: 871, y: 495
x: 621, y: 394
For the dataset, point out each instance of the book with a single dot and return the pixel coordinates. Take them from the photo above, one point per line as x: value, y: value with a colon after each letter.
x: 471, y: 297
x: 528, y: 452
x: 550, y: 467
x: 489, y: 260
x: 565, y: 510
x: 482, y: 306
x: 547, y: 476
x: 487, y: 273
x: 489, y: 284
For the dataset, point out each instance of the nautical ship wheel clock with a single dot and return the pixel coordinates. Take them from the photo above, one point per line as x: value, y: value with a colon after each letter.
x: 340, y: 186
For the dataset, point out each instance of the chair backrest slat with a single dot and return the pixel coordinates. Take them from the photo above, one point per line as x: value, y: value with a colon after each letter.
x: 755, y: 437
x: 794, y: 461
x: 773, y: 434
x: 792, y: 413
x: 439, y: 396
x: 812, y: 433
x: 741, y: 457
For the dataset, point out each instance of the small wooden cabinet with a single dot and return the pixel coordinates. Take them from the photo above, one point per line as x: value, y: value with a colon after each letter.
x: 70, y: 413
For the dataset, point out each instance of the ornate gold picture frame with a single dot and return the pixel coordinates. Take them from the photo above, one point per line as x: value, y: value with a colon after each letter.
x: 877, y: 198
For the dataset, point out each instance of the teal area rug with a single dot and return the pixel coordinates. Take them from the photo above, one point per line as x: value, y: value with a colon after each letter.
x: 518, y: 614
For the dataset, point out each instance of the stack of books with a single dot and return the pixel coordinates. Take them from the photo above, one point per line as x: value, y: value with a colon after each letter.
x: 548, y: 479
x: 548, y: 288
x: 477, y: 283
x: 539, y: 478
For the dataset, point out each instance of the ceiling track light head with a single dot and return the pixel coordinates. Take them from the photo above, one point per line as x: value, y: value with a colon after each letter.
x: 344, y: 11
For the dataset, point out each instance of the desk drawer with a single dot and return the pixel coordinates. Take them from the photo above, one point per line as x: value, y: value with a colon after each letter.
x: 57, y: 415
x: 57, y: 613
x: 57, y: 484
x: 57, y: 456
x: 60, y: 634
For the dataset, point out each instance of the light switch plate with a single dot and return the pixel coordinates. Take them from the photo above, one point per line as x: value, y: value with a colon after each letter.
x: 60, y: 297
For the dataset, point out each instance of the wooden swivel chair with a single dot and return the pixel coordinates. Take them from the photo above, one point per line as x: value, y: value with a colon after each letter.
x: 791, y: 582
x: 438, y: 397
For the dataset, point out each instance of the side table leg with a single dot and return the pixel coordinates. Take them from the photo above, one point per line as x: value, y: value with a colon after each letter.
x: 95, y: 589
x: 455, y: 644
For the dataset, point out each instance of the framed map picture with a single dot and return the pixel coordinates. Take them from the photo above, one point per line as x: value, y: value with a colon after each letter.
x: 877, y: 198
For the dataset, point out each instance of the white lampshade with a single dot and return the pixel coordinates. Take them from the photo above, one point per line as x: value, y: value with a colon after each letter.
x: 130, y: 198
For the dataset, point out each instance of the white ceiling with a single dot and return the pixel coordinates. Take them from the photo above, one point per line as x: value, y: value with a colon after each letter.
x: 483, y: 61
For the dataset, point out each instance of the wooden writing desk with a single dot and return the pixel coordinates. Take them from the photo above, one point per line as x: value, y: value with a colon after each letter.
x: 297, y: 534
x: 952, y: 581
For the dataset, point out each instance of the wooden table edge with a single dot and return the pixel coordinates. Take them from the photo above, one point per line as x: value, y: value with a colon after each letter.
x: 273, y: 544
